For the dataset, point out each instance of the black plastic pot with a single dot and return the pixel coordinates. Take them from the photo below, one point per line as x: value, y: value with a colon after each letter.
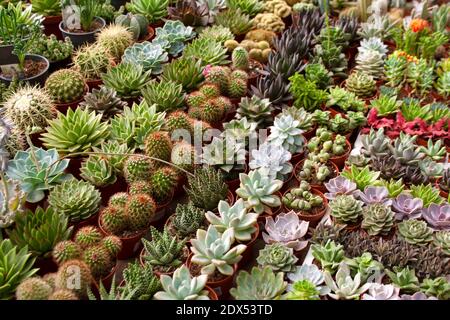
x: 61, y: 64
x: 37, y: 79
x: 80, y: 38
x: 118, y: 3
x: 6, y: 55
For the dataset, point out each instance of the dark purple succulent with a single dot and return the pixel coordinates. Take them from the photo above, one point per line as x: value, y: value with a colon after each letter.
x: 339, y: 186
x: 407, y: 207
x: 437, y: 216
x: 373, y: 195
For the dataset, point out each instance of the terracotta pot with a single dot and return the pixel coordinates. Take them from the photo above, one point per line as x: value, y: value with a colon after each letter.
x: 34, y: 206
x: 75, y: 165
x: 297, y: 157
x: 63, y: 107
x: 230, y: 197
x: 248, y: 253
x: 312, y: 219
x: 442, y: 192
x: 91, y: 221
x: 119, y: 186
x: 130, y: 245
x: 149, y: 36
x: 94, y: 84
x: 319, y: 187
x: 339, y: 161
x: 107, y: 280
x: 45, y: 265
x: 51, y: 26
x: 310, y: 133
x: 212, y: 294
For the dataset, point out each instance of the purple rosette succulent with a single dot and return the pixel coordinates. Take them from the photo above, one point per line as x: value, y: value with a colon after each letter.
x: 437, y: 216
x: 339, y: 186
x: 373, y: 195
x: 407, y: 207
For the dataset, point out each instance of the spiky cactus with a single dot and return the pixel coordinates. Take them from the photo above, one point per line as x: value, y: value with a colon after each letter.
x: 65, y: 85
x: 118, y: 200
x: 158, y: 145
x: 92, y: 61
x: 99, y: 261
x: 74, y: 275
x: 219, y: 76
x: 33, y: 289
x: 163, y: 182
x: 239, y: 58
x: 28, y: 109
x: 237, y: 88
x: 63, y: 294
x: 138, y: 168
x: 139, y: 210
x: 115, y: 38
x: 65, y: 251
x: 195, y: 99
x: 183, y: 156
x: 210, y: 90
x: 88, y: 236
x: 140, y: 187
x: 178, y: 120
x: 113, y: 219
x: 113, y: 244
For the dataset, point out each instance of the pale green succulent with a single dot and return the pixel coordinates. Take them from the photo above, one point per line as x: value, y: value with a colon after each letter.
x: 257, y: 189
x: 361, y: 83
x: 346, y: 209
x: 329, y: 255
x: 375, y: 143
x: 286, y: 133
x: 150, y: 56
x: 415, y: 232
x: 182, y: 286
x: 240, y: 130
x: 115, y: 153
x: 371, y: 63
x: 404, y: 278
x: 234, y: 217
x: 224, y: 153
x: 214, y: 251
x: 435, y: 151
x: 278, y: 257
x: 305, y: 119
x: 345, y: 287
x: 256, y: 110
x: 173, y: 35
x: 98, y: 171
x: 12, y: 202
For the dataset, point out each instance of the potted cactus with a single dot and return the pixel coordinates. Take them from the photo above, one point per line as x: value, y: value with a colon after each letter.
x: 138, y: 25
x: 51, y: 11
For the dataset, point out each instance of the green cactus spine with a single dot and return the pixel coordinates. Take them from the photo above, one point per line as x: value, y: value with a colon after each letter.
x: 99, y: 261
x: 66, y: 250
x: 113, y: 219
x: 88, y: 236
x: 33, y: 289
x: 195, y: 99
x: 239, y: 57
x: 138, y: 168
x: 140, y: 187
x: 118, y: 200
x: 159, y: 146
x: 163, y: 183
x: 178, y: 120
x: 113, y: 244
x: 65, y: 85
x: 139, y: 210
x: 210, y: 90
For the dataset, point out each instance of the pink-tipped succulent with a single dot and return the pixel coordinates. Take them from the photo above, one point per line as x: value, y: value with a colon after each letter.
x: 407, y: 207
x: 339, y: 186
x: 372, y: 195
x: 286, y: 229
x: 437, y: 216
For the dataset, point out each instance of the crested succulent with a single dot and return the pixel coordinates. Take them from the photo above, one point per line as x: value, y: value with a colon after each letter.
x: 278, y: 257
x: 346, y: 209
x: 286, y: 229
x: 37, y: 170
x: 214, y: 251
x: 115, y: 38
x: 164, y: 252
x: 206, y: 188
x: 259, y: 284
x: 77, y: 131
x: 34, y: 288
x: 187, y: 219
x: 378, y: 219
x: 76, y: 199
x: 330, y: 255
x: 182, y: 286
x: 65, y: 85
x: 437, y: 216
x: 92, y: 60
x: 29, y: 108
x: 407, y: 207
x: 361, y: 84
x: 127, y: 79
x: 415, y: 232
x: 103, y: 101
x: 40, y: 231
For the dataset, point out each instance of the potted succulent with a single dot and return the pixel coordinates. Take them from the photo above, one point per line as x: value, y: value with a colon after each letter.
x: 138, y: 24
x: 139, y: 281
x: 79, y: 21
x: 346, y: 209
x: 309, y: 203
x: 51, y: 11
x: 316, y: 169
x: 306, y: 283
x: 57, y: 52
x: 338, y: 146
x: 186, y: 220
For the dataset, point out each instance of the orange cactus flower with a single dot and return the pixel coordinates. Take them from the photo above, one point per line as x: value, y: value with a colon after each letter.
x: 418, y: 25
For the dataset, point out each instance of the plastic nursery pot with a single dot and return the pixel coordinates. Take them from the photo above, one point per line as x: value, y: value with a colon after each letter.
x: 61, y: 64
x: 81, y: 37
x: 149, y: 36
x: 442, y: 192
x: 339, y: 161
x: 107, y: 191
x: 51, y: 26
x: 131, y: 245
x: 63, y: 107
x: 94, y: 84
x: 6, y: 55
x: 186, y: 253
x: 310, y: 133
x: 318, y: 187
x: 106, y: 282
x: 313, y: 219
x: 45, y: 265
x: 233, y: 185
x: 221, y: 287
x: 248, y: 253
x: 74, y: 166
x: 38, y: 79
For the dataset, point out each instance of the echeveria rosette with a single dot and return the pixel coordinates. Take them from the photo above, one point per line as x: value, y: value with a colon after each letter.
x: 380, y: 291
x: 274, y: 158
x: 235, y: 217
x: 278, y: 257
x: 257, y: 188
x: 437, y: 216
x: 310, y: 273
x: 442, y: 241
x: 417, y: 296
x: 182, y: 286
x: 37, y: 170
x: 339, y: 186
x: 372, y: 195
x: 377, y: 219
x: 415, y: 232
x: 407, y: 207
x: 286, y: 229
x: 214, y: 251
x: 286, y: 133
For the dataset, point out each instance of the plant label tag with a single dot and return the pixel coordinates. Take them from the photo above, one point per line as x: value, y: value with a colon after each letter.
x: 71, y: 15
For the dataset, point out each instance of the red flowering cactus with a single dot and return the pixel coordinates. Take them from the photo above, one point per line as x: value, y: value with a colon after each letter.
x: 418, y: 25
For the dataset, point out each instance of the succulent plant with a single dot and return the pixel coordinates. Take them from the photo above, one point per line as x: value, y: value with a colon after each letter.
x: 184, y: 72
x: 153, y: 10
x: 302, y: 290
x: 331, y: 56
x: 127, y: 79
x: 309, y: 273
x: 345, y: 287
x: 63, y: 294
x: 278, y: 257
x: 415, y: 232
x: 224, y: 153
x: 241, y: 130
x: 115, y: 38
x: 374, y: 195
x: 137, y: 168
x: 346, y: 209
x: 104, y: 101
x: 66, y: 250
x: 16, y: 266
x: 187, y: 219
x: 375, y: 143
x: 151, y: 56
x: 34, y: 288
x: 99, y: 261
x: 88, y: 236
x: 305, y: 92
x: 407, y: 207
x: 286, y: 229
x: 65, y: 85
x: 137, y: 24
x: 303, y: 200
x: 206, y: 188
x: 92, y: 60
x: 378, y: 219
x: 437, y: 216
x: 139, y: 211
x: 366, y: 266
x: 182, y: 286
x: 427, y: 193
x: 442, y: 241
x: 65, y: 277
x: 273, y: 158
x: 324, y: 232
x: 77, y: 131
x: 417, y: 296
x: 213, y: 251
x: 217, y: 33
x: 370, y: 62
x: 190, y: 12
x: 260, y: 284
x: 394, y: 70
x: 164, y: 252
x: 361, y: 84
x: 140, y: 280
x: 166, y: 95
x: 380, y: 291
x: 438, y: 287
x: 255, y: 110
x: 234, y: 19
x: 345, y: 100
x: 404, y: 278
x: 285, y: 133
x: 173, y: 35
x: 76, y: 199
x: 98, y: 171
x: 257, y: 189
x: 37, y: 170
x: 363, y: 177
x: 209, y: 52
x: 330, y: 255
x: 339, y: 186
x: 276, y: 89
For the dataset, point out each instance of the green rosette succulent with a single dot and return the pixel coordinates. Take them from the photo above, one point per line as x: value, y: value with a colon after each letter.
x: 346, y: 209
x: 278, y: 257
x: 415, y: 232
x: 378, y: 219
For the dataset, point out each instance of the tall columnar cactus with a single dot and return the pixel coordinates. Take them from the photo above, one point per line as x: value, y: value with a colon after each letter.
x: 74, y: 275
x: 138, y: 168
x: 113, y: 219
x: 65, y: 85
x: 139, y: 210
x: 163, y: 182
x: 158, y: 145
x: 65, y: 251
x: 239, y: 57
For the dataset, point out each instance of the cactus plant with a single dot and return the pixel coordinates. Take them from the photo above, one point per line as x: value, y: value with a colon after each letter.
x: 88, y: 236
x: 138, y: 168
x: 65, y: 85
x: 158, y: 145
x: 65, y: 251
x: 115, y: 38
x: 239, y: 58
x: 139, y: 211
x: 99, y: 261
x: 76, y: 199
x: 113, y: 220
x: 33, y: 289
x: 163, y: 182
x: 63, y: 294
x: 92, y: 60
x: 74, y: 275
